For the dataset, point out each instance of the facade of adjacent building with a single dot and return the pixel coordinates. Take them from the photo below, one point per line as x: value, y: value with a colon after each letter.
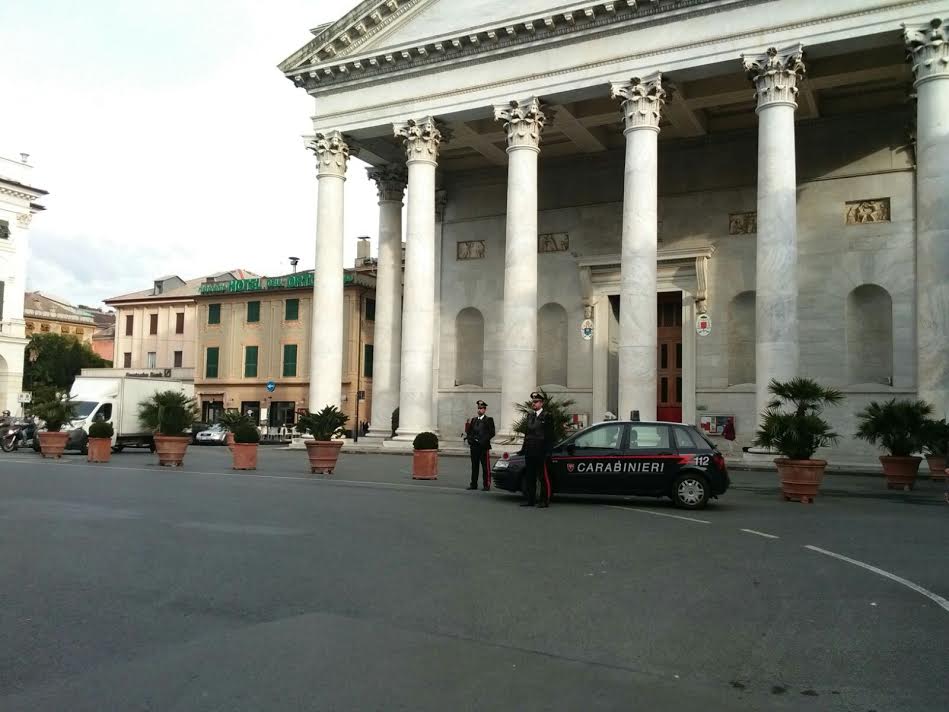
x: 255, y: 342
x: 47, y: 314
x: 654, y: 206
x: 156, y: 328
x: 17, y: 206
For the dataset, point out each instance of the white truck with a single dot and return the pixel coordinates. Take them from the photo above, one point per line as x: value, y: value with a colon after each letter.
x: 115, y: 399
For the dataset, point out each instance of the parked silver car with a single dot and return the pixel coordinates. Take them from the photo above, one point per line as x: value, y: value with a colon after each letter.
x: 215, y: 435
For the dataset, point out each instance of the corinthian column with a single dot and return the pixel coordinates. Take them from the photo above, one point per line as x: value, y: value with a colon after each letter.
x: 524, y: 123
x: 929, y: 51
x: 775, y: 75
x: 421, y: 139
x: 387, y: 352
x: 638, y: 328
x: 326, y: 333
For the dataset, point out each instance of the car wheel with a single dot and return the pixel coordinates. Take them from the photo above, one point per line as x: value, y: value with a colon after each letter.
x: 118, y: 448
x: 690, y: 491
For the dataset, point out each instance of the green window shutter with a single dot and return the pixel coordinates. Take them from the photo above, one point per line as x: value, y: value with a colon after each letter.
x: 250, y: 362
x: 253, y: 312
x: 367, y: 361
x: 214, y: 313
x: 292, y: 312
x: 290, y: 360
x: 211, y: 365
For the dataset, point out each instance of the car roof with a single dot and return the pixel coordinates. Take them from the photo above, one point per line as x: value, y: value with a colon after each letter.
x: 642, y: 422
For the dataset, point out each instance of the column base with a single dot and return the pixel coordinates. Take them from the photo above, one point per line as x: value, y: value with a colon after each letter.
x: 379, y: 435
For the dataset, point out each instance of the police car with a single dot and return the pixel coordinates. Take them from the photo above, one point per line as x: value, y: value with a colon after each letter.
x: 652, y: 459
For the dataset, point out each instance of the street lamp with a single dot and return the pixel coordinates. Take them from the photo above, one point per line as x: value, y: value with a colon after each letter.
x: 293, y: 262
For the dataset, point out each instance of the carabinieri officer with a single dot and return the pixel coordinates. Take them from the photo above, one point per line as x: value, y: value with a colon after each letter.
x: 479, y: 431
x: 538, y: 442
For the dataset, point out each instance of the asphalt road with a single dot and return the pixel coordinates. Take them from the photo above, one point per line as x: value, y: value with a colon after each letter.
x: 130, y: 587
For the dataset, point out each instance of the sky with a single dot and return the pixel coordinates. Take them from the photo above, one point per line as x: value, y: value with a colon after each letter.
x: 168, y: 139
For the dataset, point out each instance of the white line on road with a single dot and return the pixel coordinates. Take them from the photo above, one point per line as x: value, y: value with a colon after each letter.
x: 766, y: 536
x: 658, y: 514
x: 942, y: 602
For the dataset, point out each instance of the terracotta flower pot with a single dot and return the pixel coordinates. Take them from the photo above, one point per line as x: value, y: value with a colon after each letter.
x: 100, y: 449
x: 800, y: 479
x: 171, y: 449
x: 229, y: 440
x: 53, y: 444
x: 425, y: 464
x: 937, y: 467
x: 900, y: 472
x: 323, y: 455
x: 245, y: 456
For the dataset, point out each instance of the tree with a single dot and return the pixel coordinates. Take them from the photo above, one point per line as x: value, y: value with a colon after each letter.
x: 52, y: 361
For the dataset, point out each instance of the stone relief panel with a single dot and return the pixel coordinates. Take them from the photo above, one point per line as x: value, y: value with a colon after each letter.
x: 743, y: 223
x: 470, y: 250
x: 553, y: 242
x: 874, y: 210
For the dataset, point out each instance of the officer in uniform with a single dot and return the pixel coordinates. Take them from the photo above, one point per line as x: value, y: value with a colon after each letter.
x: 478, y: 432
x: 538, y: 442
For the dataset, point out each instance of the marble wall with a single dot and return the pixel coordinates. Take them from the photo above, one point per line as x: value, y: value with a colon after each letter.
x: 703, y: 184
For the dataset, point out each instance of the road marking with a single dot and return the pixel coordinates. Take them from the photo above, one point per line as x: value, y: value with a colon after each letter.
x: 658, y: 514
x: 942, y: 602
x: 766, y: 536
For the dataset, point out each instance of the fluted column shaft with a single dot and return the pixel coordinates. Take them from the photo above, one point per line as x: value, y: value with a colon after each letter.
x: 524, y: 123
x: 929, y: 50
x: 387, y: 333
x: 775, y: 75
x: 326, y: 333
x: 638, y: 331
x: 422, y: 139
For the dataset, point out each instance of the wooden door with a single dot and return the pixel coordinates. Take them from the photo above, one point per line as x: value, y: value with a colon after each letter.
x: 669, y: 358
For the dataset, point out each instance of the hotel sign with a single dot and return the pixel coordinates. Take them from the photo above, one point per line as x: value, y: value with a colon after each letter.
x: 262, y: 284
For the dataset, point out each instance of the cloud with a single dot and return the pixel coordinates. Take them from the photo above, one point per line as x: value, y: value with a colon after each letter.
x: 167, y: 138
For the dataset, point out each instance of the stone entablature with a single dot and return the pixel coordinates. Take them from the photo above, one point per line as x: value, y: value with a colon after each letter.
x: 334, y: 57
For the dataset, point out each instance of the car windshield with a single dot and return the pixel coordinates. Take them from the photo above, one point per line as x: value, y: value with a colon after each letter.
x: 216, y: 428
x: 84, y: 408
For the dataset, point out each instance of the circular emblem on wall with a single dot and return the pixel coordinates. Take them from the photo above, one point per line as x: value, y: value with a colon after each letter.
x: 586, y: 329
x: 703, y: 325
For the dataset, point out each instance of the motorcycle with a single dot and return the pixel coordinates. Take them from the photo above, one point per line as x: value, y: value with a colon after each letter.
x: 19, y: 434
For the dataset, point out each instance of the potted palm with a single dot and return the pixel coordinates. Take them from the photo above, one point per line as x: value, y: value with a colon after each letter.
x: 556, y: 407
x: 230, y: 420
x: 936, y: 445
x: 169, y: 414
x: 793, y: 427
x: 897, y: 426
x: 425, y: 457
x: 55, y: 410
x: 246, y: 438
x: 324, y: 425
x: 100, y: 442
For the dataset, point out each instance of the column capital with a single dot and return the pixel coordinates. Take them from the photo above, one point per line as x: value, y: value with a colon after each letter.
x: 643, y: 100
x: 390, y: 182
x: 332, y: 153
x: 524, y: 122
x: 775, y: 75
x: 421, y: 138
x: 928, y: 48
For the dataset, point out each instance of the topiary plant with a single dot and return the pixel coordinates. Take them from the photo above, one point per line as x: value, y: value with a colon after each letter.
x: 101, y: 429
x: 168, y: 412
x: 897, y: 425
x: 323, y: 425
x: 798, y: 432
x: 246, y: 434
x: 425, y: 441
x: 55, y: 410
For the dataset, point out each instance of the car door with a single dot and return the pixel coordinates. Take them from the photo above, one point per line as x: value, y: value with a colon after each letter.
x: 651, y: 460
x: 591, y: 461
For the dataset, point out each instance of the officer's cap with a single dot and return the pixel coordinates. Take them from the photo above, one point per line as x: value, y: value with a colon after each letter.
x: 482, y: 404
x: 537, y: 396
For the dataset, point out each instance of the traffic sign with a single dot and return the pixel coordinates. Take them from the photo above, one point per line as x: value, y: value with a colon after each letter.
x: 271, y: 386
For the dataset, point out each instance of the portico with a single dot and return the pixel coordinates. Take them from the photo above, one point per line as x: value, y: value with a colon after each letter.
x: 575, y: 170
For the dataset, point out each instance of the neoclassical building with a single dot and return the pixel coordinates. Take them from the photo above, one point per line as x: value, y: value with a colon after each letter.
x: 656, y: 206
